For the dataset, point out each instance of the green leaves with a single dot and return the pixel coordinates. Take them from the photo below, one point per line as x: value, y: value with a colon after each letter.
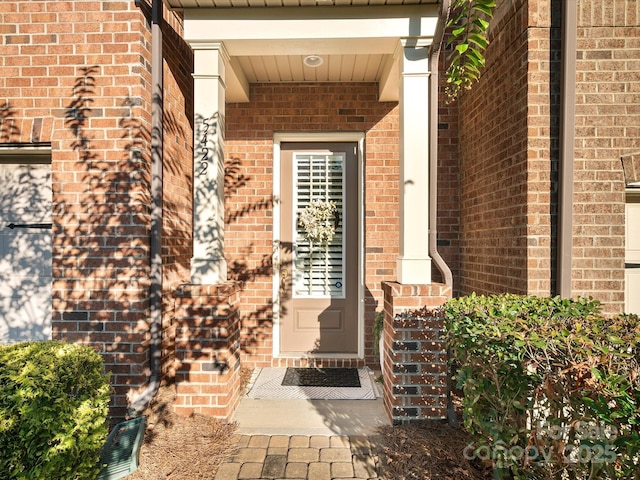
x: 53, y: 406
x: 468, y: 25
x: 549, y: 372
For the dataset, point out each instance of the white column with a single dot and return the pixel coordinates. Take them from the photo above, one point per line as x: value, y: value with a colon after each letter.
x: 208, y: 265
x: 414, y: 263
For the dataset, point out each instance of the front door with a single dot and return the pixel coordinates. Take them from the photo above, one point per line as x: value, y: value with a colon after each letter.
x: 319, y: 248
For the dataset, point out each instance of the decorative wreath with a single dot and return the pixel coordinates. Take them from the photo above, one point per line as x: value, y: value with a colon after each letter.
x: 317, y: 221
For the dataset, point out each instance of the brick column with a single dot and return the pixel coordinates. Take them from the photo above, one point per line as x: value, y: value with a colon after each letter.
x: 207, y: 355
x: 415, y: 358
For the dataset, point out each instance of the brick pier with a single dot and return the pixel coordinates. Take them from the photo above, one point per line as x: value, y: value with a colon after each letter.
x: 415, y: 357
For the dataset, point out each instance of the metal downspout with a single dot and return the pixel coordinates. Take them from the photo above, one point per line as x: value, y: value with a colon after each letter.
x: 155, y: 288
x: 434, y: 58
x: 567, y: 140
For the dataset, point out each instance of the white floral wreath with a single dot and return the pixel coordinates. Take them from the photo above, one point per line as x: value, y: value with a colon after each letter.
x: 317, y: 221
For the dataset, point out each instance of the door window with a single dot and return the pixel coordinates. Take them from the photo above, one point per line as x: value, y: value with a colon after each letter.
x: 319, y: 217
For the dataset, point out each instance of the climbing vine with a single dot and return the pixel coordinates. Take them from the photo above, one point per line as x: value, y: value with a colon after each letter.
x: 468, y: 24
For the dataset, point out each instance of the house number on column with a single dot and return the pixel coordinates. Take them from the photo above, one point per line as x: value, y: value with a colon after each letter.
x: 207, y: 123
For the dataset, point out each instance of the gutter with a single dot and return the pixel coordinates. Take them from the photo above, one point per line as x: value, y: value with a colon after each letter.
x: 139, y: 404
x: 434, y: 59
x: 567, y: 146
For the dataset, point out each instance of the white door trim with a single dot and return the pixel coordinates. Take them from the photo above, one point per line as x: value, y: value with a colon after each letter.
x: 278, y: 138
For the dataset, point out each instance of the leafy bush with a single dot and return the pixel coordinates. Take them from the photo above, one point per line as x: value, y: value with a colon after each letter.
x: 551, y: 387
x: 53, y: 407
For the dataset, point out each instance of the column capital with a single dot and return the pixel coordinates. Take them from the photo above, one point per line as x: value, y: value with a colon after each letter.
x: 417, y: 42
x: 414, y: 60
x: 204, y: 46
x: 210, y: 60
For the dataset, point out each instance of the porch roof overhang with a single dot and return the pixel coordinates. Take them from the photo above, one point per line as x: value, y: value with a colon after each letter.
x: 268, y: 44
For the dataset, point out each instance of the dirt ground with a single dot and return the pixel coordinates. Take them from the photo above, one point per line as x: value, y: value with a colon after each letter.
x: 192, y: 448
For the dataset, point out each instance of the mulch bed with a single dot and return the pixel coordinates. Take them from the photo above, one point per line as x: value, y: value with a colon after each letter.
x: 427, y: 452
x: 181, y: 447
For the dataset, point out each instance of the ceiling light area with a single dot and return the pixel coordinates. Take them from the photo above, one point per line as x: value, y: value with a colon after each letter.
x: 313, y: 61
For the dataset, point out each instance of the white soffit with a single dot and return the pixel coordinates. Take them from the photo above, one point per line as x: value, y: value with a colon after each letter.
x: 268, y: 45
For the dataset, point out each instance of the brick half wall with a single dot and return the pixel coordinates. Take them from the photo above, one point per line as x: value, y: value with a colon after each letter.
x: 207, y: 343
x: 415, y: 357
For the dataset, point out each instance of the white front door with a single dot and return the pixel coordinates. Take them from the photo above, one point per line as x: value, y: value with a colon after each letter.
x: 25, y: 251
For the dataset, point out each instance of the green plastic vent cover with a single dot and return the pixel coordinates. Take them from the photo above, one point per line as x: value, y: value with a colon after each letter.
x: 119, y: 454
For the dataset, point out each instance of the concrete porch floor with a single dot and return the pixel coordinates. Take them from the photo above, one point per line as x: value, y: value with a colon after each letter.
x: 270, y: 416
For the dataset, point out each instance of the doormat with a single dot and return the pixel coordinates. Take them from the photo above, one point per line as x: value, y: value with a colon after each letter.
x: 321, y: 377
x: 268, y: 383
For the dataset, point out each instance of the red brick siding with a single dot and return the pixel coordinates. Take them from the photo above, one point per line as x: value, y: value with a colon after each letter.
x: 177, y: 232
x: 415, y: 355
x: 493, y: 166
x: 543, y: 117
x: 607, y: 128
x: 509, y: 150
x: 178, y: 153
x: 249, y: 190
x: 77, y: 74
x: 448, y: 216
x: 207, y: 376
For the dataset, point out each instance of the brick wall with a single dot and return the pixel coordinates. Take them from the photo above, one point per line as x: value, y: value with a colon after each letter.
x: 493, y: 165
x: 177, y: 233
x: 509, y: 144
x: 414, y: 367
x: 249, y: 188
x: 76, y: 74
x: 607, y: 128
x: 207, y: 367
x: 448, y: 183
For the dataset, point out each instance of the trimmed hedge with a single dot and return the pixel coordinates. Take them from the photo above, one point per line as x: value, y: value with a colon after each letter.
x: 54, y: 401
x: 551, y: 387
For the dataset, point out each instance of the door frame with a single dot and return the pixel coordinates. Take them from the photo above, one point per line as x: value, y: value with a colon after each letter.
x: 336, y: 137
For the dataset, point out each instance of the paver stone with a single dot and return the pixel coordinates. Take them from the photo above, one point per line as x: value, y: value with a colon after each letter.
x: 274, y: 466
x: 341, y: 470
x: 228, y: 471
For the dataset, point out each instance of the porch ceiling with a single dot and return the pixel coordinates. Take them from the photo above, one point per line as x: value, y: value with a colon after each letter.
x: 268, y: 45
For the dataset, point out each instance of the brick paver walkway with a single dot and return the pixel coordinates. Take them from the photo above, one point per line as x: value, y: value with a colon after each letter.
x: 301, y: 457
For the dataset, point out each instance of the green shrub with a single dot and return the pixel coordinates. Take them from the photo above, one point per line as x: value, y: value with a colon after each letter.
x: 551, y: 387
x: 53, y: 407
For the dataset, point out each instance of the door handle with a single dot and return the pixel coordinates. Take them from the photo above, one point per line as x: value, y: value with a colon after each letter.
x: 284, y: 275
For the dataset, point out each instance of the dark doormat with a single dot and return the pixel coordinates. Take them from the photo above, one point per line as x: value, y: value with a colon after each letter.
x: 321, y: 377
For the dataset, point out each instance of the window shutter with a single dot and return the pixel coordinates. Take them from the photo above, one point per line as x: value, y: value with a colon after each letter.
x: 319, y: 269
